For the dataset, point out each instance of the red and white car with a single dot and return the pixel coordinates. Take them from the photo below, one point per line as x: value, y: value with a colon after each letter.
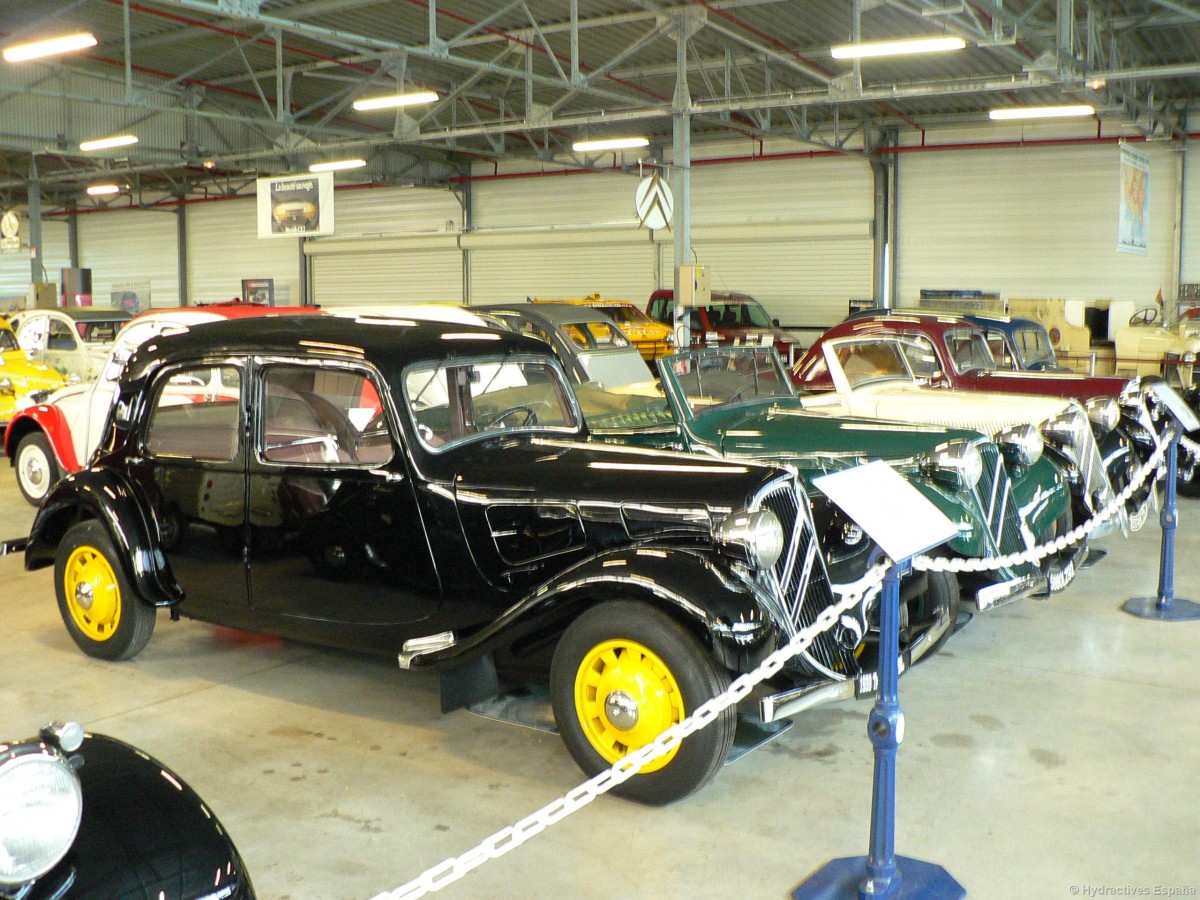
x: 46, y: 441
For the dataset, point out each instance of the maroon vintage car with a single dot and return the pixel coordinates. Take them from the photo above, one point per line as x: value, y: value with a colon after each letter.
x: 948, y: 351
x: 729, y: 318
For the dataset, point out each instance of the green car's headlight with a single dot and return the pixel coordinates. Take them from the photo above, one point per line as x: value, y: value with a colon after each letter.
x: 1064, y: 429
x: 957, y: 462
x: 41, y: 803
x: 759, y: 534
x: 1020, y: 444
x: 1104, y: 412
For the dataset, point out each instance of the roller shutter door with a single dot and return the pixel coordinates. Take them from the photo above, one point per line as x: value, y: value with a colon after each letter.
x: 224, y: 247
x: 139, y: 245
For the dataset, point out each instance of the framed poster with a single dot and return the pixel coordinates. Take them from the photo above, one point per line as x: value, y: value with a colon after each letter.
x: 258, y: 290
x: 1133, y: 224
x: 295, y: 205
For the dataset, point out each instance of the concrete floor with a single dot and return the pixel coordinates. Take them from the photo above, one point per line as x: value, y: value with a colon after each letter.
x: 1051, y: 751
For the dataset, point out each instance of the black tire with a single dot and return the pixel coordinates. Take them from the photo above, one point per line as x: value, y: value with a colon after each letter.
x: 100, y: 608
x: 1188, y: 481
x: 941, y: 594
x: 37, y: 468
x: 689, y: 665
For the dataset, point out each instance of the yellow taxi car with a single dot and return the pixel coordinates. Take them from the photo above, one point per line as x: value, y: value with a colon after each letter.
x: 22, y: 383
x: 652, y: 339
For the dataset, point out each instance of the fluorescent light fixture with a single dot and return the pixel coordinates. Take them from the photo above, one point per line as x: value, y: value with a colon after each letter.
x: 393, y: 100
x: 120, y: 140
x: 337, y: 165
x: 99, y: 190
x: 1042, y: 112
x: 49, y: 47
x: 897, y: 48
x: 625, y: 143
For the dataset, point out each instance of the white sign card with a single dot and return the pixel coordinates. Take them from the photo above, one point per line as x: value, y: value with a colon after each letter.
x: 295, y: 205
x: 1177, y: 405
x: 882, y: 503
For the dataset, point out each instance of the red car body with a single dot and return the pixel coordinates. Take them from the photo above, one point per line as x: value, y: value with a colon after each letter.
x: 733, y: 318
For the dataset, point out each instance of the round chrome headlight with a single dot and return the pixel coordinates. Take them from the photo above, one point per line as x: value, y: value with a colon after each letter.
x: 758, y: 533
x: 1020, y: 444
x: 1104, y: 412
x: 959, y: 462
x: 41, y: 803
x: 1064, y: 428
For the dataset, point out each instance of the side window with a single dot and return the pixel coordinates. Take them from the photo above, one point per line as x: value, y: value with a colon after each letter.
x: 577, y: 335
x: 999, y: 348
x: 658, y: 309
x: 62, y: 337
x: 922, y: 358
x: 323, y: 416
x: 196, y: 414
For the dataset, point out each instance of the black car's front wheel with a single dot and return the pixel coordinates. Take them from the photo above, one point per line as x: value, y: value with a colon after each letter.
x: 942, y: 597
x: 102, y: 613
x: 622, y: 674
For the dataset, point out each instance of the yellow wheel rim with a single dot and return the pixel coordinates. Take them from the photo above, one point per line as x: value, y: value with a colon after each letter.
x: 93, y: 595
x: 625, y: 696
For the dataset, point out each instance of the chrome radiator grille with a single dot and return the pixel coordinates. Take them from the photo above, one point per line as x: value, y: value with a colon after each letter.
x: 800, y: 581
x: 994, y: 493
x: 1098, y: 490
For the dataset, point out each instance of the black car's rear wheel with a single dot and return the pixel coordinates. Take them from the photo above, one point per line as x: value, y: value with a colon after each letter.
x: 102, y: 612
x: 622, y: 674
x: 37, y: 469
x: 942, y: 596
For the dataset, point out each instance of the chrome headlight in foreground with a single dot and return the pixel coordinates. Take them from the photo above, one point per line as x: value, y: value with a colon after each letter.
x: 1020, y: 444
x: 1064, y: 428
x: 1104, y: 412
x: 958, y: 462
x: 759, y: 534
x: 41, y: 803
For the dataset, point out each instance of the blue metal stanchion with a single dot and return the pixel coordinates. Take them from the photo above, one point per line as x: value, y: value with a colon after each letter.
x: 1166, y: 607
x: 882, y: 874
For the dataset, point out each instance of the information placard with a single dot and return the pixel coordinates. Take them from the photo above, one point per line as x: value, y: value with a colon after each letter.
x: 1177, y: 405
x: 883, y: 504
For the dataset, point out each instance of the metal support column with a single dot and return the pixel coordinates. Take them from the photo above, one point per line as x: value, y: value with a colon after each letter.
x: 879, y: 286
x: 306, y: 298
x: 681, y: 177
x: 36, y: 270
x: 72, y: 235
x: 181, y: 251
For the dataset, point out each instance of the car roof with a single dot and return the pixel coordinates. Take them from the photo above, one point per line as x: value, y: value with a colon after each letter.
x: 550, y: 313
x: 86, y: 313
x: 389, y: 345
x: 898, y: 320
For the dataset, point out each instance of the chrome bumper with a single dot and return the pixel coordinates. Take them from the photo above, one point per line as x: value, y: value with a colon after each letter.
x: 994, y: 595
x: 866, y: 684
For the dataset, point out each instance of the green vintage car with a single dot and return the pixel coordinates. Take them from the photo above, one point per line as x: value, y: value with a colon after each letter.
x: 739, y: 402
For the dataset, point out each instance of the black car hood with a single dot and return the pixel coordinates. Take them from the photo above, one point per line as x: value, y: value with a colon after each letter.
x: 144, y: 834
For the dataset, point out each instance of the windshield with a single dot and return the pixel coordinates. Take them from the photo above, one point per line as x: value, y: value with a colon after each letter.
x: 875, y: 360
x: 1034, y: 346
x: 969, y: 350
x: 99, y: 331
x: 625, y: 314
x: 457, y: 400
x: 747, y: 314
x: 8, y: 341
x: 721, y: 377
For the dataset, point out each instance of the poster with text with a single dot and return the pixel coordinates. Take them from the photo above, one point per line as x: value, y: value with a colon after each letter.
x: 295, y: 205
x: 1133, y: 227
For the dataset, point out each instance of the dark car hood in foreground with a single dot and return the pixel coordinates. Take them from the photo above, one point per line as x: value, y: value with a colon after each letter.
x: 144, y: 834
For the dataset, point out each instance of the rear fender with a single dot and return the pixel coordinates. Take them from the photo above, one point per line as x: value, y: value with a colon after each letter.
x: 95, y: 494
x: 50, y: 421
x: 725, y: 610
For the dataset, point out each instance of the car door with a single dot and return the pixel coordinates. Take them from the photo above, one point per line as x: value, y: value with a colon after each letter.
x: 193, y: 470
x: 335, y: 540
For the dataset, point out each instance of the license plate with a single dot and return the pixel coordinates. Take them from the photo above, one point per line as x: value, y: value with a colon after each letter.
x: 1063, y: 577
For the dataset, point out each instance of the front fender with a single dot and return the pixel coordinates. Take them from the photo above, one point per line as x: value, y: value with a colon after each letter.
x: 726, y: 610
x: 50, y: 421
x: 98, y: 494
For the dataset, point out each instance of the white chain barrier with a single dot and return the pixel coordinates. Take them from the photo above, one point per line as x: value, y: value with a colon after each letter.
x: 1189, y: 445
x: 1036, y: 554
x: 507, y: 839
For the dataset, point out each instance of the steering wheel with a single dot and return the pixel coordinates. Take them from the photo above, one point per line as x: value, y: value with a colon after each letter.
x: 527, y: 408
x: 1147, y: 315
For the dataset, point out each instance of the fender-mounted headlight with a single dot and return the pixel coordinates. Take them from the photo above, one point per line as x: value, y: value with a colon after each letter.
x: 1064, y: 429
x: 41, y: 803
x: 1103, y: 412
x: 759, y: 534
x: 1020, y: 444
x: 955, y: 462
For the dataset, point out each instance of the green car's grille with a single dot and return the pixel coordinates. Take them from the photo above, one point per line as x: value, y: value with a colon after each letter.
x: 994, y: 492
x: 804, y: 584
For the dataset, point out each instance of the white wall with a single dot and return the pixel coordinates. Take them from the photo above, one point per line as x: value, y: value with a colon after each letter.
x: 131, y: 245
x: 224, y: 247
x: 16, y: 268
x: 1190, y: 262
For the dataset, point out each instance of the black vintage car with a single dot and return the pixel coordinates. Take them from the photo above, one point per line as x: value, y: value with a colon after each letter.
x: 427, y: 490
x: 88, y: 817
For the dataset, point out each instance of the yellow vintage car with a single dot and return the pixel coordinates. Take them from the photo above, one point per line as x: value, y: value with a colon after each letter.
x: 652, y: 339
x: 22, y: 383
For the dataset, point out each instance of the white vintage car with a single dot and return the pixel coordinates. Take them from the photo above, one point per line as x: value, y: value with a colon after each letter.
x: 47, y: 440
x: 75, y: 340
x: 873, y: 377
